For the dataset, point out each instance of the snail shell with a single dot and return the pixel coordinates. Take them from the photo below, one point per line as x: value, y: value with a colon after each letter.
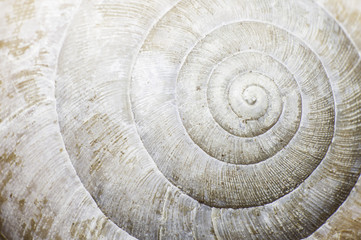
x: 180, y: 119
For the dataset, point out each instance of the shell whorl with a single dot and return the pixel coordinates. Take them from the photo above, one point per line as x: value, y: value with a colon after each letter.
x: 211, y: 119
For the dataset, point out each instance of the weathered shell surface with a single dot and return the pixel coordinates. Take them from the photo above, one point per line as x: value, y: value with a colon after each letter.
x: 191, y: 119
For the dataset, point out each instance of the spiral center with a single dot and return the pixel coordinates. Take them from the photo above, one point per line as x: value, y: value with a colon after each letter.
x: 253, y: 101
x: 254, y: 95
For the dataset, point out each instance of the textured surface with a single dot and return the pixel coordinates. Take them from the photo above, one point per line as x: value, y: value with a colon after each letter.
x: 222, y: 119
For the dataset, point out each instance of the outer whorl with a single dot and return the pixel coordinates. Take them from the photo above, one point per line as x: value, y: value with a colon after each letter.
x: 191, y: 119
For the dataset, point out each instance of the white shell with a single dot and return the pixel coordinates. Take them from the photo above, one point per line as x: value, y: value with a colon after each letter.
x: 191, y: 119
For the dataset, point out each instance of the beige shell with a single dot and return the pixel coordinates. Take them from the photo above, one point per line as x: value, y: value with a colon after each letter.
x: 169, y: 119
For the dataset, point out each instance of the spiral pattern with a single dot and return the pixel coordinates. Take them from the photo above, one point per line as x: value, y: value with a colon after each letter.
x: 155, y: 108
x: 241, y: 112
x: 214, y: 119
